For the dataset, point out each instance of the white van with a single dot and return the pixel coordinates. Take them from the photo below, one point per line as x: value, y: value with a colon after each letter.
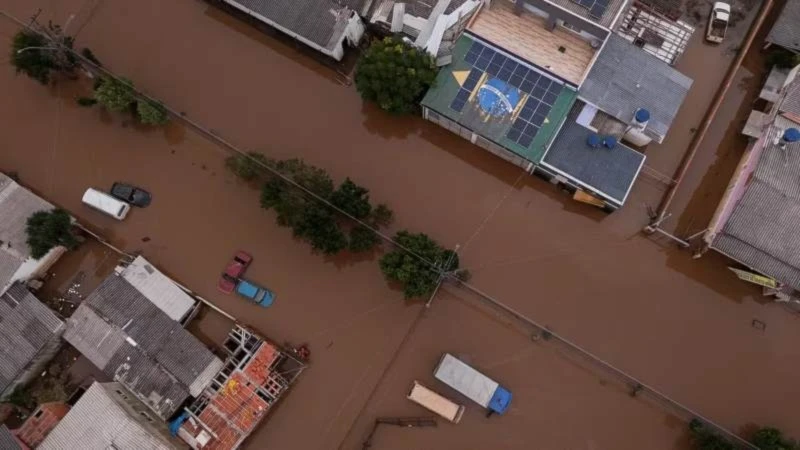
x: 425, y: 397
x: 106, y: 204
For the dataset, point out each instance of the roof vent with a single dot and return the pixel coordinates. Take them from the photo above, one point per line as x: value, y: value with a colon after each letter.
x: 791, y: 135
x: 593, y: 141
x: 609, y: 142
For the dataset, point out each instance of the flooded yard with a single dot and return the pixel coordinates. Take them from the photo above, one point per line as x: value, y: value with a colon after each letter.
x: 681, y: 325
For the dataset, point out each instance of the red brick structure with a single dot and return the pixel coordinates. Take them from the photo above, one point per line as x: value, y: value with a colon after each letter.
x: 41, y: 422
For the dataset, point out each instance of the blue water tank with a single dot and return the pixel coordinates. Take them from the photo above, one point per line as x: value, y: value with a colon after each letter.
x: 642, y: 115
x: 791, y: 135
x: 593, y: 141
x: 609, y: 142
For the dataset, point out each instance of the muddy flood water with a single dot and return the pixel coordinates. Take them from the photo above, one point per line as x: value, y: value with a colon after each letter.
x: 681, y: 325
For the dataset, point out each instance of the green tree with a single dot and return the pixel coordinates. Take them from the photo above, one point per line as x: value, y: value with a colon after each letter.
x: 319, y: 227
x: 782, y: 58
x: 362, y: 239
x: 768, y: 438
x: 37, y: 63
x: 394, y: 75
x: 48, y: 229
x: 352, y: 199
x: 382, y: 216
x: 416, y: 276
x: 150, y: 113
x: 288, y: 201
x: 248, y: 167
x: 704, y: 439
x: 117, y: 96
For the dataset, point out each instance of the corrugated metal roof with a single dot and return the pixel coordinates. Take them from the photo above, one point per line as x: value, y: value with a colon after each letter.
x: 136, y: 343
x: 786, y: 31
x: 320, y: 21
x: 625, y: 78
x: 7, y: 440
x: 16, y: 204
x: 791, y: 99
x: 762, y: 229
x: 157, y: 287
x: 98, y: 421
x: 26, y: 326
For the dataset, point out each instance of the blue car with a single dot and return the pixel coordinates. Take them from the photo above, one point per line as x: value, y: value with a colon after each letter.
x: 254, y: 293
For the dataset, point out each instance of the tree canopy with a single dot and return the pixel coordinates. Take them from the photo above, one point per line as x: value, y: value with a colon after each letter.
x: 37, y: 56
x: 117, y: 96
x: 769, y: 438
x: 48, y: 229
x: 150, y: 113
x: 394, y: 75
x: 416, y: 276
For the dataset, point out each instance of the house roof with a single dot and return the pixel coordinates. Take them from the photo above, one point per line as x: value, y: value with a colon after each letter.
x: 158, y: 288
x: 132, y: 340
x: 26, y: 326
x: 16, y: 205
x: 786, y: 31
x: 762, y: 229
x: 625, y: 78
x: 99, y: 420
x: 8, y: 441
x: 791, y: 99
x: 320, y: 21
x: 609, y: 172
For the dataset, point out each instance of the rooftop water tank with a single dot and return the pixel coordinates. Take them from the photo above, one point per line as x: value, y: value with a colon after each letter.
x: 641, y: 115
x: 609, y: 142
x: 593, y: 141
x: 791, y: 135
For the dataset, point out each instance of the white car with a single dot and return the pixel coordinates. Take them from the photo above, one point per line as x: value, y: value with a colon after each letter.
x: 718, y: 22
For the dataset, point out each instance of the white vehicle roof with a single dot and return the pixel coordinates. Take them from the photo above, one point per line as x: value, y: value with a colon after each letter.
x: 104, y: 202
x: 466, y: 380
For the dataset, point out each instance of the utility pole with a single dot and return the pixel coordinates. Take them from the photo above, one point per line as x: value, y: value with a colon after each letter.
x: 443, y: 275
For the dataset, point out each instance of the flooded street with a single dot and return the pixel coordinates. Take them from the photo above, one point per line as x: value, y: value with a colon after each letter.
x: 681, y: 325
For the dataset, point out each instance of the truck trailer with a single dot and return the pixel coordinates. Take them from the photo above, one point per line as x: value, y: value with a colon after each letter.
x: 472, y: 384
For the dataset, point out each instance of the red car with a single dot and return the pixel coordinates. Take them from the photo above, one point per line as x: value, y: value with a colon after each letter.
x: 227, y: 282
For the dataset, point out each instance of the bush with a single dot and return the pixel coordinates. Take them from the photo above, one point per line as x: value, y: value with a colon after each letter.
x: 394, y: 75
x: 782, y: 58
x: 48, y: 229
x: 117, y: 96
x: 768, y: 438
x: 704, y: 439
x: 247, y: 167
x: 417, y: 277
x: 150, y: 113
x: 86, y: 101
x: 35, y: 63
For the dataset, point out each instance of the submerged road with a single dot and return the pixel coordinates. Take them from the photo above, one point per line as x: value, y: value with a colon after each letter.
x: 681, y: 325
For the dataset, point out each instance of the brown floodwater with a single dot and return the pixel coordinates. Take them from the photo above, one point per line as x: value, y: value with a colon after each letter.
x: 683, y: 326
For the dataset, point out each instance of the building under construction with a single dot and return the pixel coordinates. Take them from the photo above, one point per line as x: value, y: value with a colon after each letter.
x: 256, y: 374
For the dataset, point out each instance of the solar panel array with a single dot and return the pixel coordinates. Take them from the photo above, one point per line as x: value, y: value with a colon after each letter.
x: 596, y: 7
x: 542, y: 90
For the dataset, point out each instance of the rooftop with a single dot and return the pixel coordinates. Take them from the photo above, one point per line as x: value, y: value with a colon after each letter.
x: 27, y: 327
x: 128, y: 337
x: 786, y: 31
x: 501, y: 97
x: 16, y: 204
x: 528, y: 38
x: 8, y: 441
x: 608, y: 172
x: 589, y: 11
x: 625, y: 78
x: 761, y: 230
x: 655, y: 33
x: 41, y: 422
x: 158, y: 288
x: 101, y: 420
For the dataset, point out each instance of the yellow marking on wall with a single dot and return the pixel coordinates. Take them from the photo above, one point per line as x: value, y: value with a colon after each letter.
x: 755, y: 278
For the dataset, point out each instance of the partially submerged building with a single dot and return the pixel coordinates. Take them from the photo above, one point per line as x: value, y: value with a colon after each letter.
x: 755, y: 224
x: 107, y: 417
x: 525, y: 72
x: 30, y: 335
x: 17, y: 204
x: 256, y: 375
x: 785, y: 32
x: 137, y: 344
x: 324, y: 25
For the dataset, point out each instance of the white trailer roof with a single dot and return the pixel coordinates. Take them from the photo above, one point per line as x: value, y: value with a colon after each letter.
x: 466, y: 380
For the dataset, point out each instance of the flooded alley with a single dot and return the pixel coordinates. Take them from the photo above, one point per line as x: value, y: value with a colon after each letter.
x: 682, y: 325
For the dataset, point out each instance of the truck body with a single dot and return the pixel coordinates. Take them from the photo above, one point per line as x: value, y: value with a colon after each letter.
x: 255, y: 293
x: 472, y: 384
x: 718, y: 22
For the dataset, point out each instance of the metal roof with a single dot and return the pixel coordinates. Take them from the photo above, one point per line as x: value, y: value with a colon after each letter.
x: 158, y: 288
x: 466, y: 380
x: 100, y: 420
x: 16, y: 205
x: 26, y: 326
x: 625, y: 78
x: 762, y: 229
x: 132, y: 340
x: 319, y: 21
x: 791, y: 99
x: 786, y: 31
x: 7, y: 440
x: 609, y: 172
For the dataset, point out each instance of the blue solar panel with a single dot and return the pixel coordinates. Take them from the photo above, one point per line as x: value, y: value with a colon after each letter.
x: 521, y: 71
x: 471, y: 57
x: 472, y: 80
x: 597, y: 11
x: 550, y: 98
x: 460, y: 100
x: 525, y: 140
x: 513, y: 134
x: 596, y: 8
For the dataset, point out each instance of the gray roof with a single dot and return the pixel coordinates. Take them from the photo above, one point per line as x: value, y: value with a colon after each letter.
x: 158, y: 288
x: 625, y: 78
x: 100, y: 420
x: 791, y: 100
x: 132, y: 340
x: 606, y: 171
x: 786, y: 31
x: 423, y: 8
x: 26, y: 326
x: 7, y: 439
x: 320, y: 21
x: 16, y: 205
x: 762, y: 229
